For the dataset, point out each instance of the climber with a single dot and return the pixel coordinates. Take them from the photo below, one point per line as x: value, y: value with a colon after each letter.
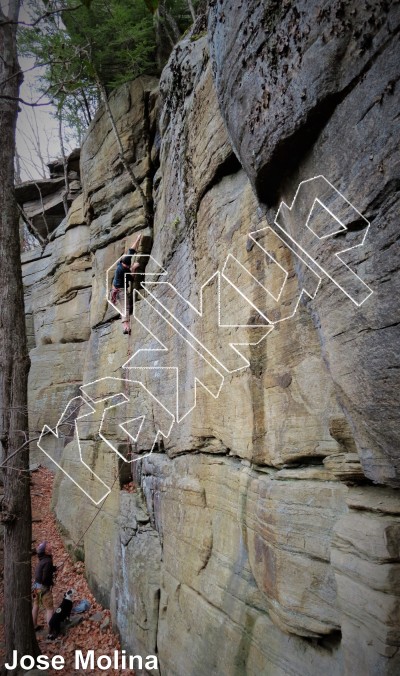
x: 41, y: 588
x: 119, y: 292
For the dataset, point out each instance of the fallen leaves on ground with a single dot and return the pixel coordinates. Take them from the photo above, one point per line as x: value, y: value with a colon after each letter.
x: 87, y: 635
x: 129, y: 487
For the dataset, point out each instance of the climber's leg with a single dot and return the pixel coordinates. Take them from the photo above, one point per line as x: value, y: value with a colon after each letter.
x: 122, y: 303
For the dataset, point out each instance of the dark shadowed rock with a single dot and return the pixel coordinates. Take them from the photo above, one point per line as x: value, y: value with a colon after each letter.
x: 306, y: 90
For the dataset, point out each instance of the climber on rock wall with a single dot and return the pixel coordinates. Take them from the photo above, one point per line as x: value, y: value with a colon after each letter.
x: 119, y: 291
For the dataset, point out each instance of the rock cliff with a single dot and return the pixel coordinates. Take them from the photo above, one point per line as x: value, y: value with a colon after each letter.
x: 262, y: 535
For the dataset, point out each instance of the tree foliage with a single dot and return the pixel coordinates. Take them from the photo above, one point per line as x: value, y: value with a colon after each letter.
x: 117, y: 37
x: 111, y: 41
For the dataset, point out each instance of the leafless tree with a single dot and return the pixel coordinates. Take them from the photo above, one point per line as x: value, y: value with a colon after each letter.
x: 14, y: 367
x: 64, y: 159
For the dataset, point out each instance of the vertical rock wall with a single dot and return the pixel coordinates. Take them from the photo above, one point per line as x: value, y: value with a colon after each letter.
x: 325, y: 84
x: 255, y: 541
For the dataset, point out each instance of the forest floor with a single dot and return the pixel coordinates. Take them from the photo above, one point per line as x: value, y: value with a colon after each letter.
x: 94, y: 632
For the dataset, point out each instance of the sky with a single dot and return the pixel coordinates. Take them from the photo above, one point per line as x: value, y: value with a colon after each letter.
x: 37, y: 129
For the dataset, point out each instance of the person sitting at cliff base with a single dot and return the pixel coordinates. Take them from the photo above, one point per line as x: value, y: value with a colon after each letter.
x: 119, y: 291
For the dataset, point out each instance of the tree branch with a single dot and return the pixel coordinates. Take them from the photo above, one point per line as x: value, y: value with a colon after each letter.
x: 43, y: 210
x: 25, y: 103
x: 30, y: 226
x: 4, y: 20
x: 43, y: 434
x: 22, y: 72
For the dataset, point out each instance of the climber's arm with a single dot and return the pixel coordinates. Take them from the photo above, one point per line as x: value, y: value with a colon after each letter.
x: 136, y: 243
x: 136, y: 265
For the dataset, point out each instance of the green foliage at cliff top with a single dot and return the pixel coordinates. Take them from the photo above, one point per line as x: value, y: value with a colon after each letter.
x: 112, y: 40
x: 115, y: 38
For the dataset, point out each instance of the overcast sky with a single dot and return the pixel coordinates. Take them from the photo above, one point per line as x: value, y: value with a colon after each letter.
x: 37, y: 129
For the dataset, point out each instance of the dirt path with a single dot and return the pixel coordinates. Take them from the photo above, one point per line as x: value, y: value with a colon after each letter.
x: 91, y: 634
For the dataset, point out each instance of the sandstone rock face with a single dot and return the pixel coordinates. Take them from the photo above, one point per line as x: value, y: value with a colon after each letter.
x: 57, y: 284
x: 136, y: 592
x: 365, y: 555
x: 251, y: 540
x: 201, y: 507
x: 322, y: 80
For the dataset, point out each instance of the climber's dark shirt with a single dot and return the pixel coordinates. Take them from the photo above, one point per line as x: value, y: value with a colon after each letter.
x: 44, y: 570
x: 120, y: 272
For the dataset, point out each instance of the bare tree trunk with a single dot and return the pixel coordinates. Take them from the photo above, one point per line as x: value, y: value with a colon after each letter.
x: 18, y: 179
x: 31, y: 228
x: 65, y: 162
x: 162, y: 32
x: 191, y: 10
x: 86, y: 108
x: 35, y: 137
x: 14, y: 367
x: 169, y: 19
